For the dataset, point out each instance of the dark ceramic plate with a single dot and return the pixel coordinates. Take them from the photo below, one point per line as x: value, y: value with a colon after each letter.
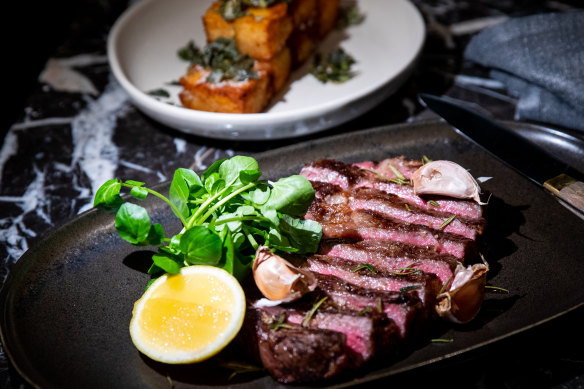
x: 68, y: 302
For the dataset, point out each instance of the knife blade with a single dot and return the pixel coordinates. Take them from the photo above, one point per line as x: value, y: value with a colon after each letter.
x: 527, y: 158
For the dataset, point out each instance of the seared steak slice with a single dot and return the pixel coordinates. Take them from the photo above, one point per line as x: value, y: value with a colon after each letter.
x: 405, y: 309
x: 360, y: 225
x: 352, y: 177
x: 367, y: 334
x: 391, y: 206
x: 391, y: 257
x: 322, y: 190
x: 398, y: 209
x: 426, y: 286
x: 334, y: 172
x: 299, y: 354
x: 406, y: 167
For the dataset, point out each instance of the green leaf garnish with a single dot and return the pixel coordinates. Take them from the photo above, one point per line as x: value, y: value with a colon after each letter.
x: 335, y: 67
x: 350, y: 16
x: 425, y: 160
x: 233, y: 9
x: 133, y: 223
x: 434, y: 203
x: 222, y: 58
x: 159, y: 93
x: 108, y: 195
x: 226, y: 213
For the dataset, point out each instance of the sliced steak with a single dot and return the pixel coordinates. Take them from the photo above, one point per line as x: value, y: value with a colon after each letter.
x: 398, y: 209
x: 322, y: 190
x: 367, y: 334
x: 352, y: 177
x: 426, y: 286
x: 334, y: 172
x: 405, y: 309
x: 464, y: 208
x: 360, y: 225
x: 406, y: 167
x: 298, y: 354
x: 332, y: 197
x: 392, y: 257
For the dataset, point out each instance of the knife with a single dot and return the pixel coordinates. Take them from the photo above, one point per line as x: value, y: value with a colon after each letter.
x: 527, y: 158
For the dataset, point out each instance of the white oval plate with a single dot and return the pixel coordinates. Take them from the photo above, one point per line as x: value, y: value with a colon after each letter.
x: 142, y: 51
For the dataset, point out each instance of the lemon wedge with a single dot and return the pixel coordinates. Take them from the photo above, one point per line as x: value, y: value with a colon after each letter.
x: 188, y: 317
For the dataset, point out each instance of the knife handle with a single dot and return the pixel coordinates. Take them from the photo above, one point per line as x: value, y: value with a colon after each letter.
x: 569, y: 190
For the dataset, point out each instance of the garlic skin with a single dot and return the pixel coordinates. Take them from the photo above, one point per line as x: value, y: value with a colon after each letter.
x: 278, y: 279
x: 446, y: 178
x: 463, y: 301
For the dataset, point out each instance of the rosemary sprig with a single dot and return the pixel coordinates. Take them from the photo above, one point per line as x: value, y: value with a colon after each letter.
x: 365, y: 310
x: 446, y: 222
x: 240, y: 368
x: 397, y: 173
x: 407, y: 207
x: 497, y: 288
x: 312, y: 311
x: 365, y: 266
x: 277, y: 323
x: 409, y: 287
x: 379, y: 305
x: 407, y: 270
x: 425, y: 160
x: 395, y: 180
x: 445, y: 285
x: 440, y: 340
x: 400, y: 181
x: 434, y: 203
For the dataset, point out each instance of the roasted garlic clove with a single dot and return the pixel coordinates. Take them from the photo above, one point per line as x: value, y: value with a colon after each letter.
x: 446, y: 178
x: 278, y: 279
x: 461, y: 303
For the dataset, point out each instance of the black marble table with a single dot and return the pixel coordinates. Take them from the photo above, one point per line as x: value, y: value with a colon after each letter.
x: 69, y: 127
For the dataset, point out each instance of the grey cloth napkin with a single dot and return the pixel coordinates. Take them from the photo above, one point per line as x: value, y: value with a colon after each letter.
x: 540, y: 58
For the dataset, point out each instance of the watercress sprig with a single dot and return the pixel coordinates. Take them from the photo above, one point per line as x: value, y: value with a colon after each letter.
x: 226, y: 213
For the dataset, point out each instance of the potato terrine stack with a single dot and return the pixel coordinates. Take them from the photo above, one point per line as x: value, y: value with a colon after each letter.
x: 278, y: 36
